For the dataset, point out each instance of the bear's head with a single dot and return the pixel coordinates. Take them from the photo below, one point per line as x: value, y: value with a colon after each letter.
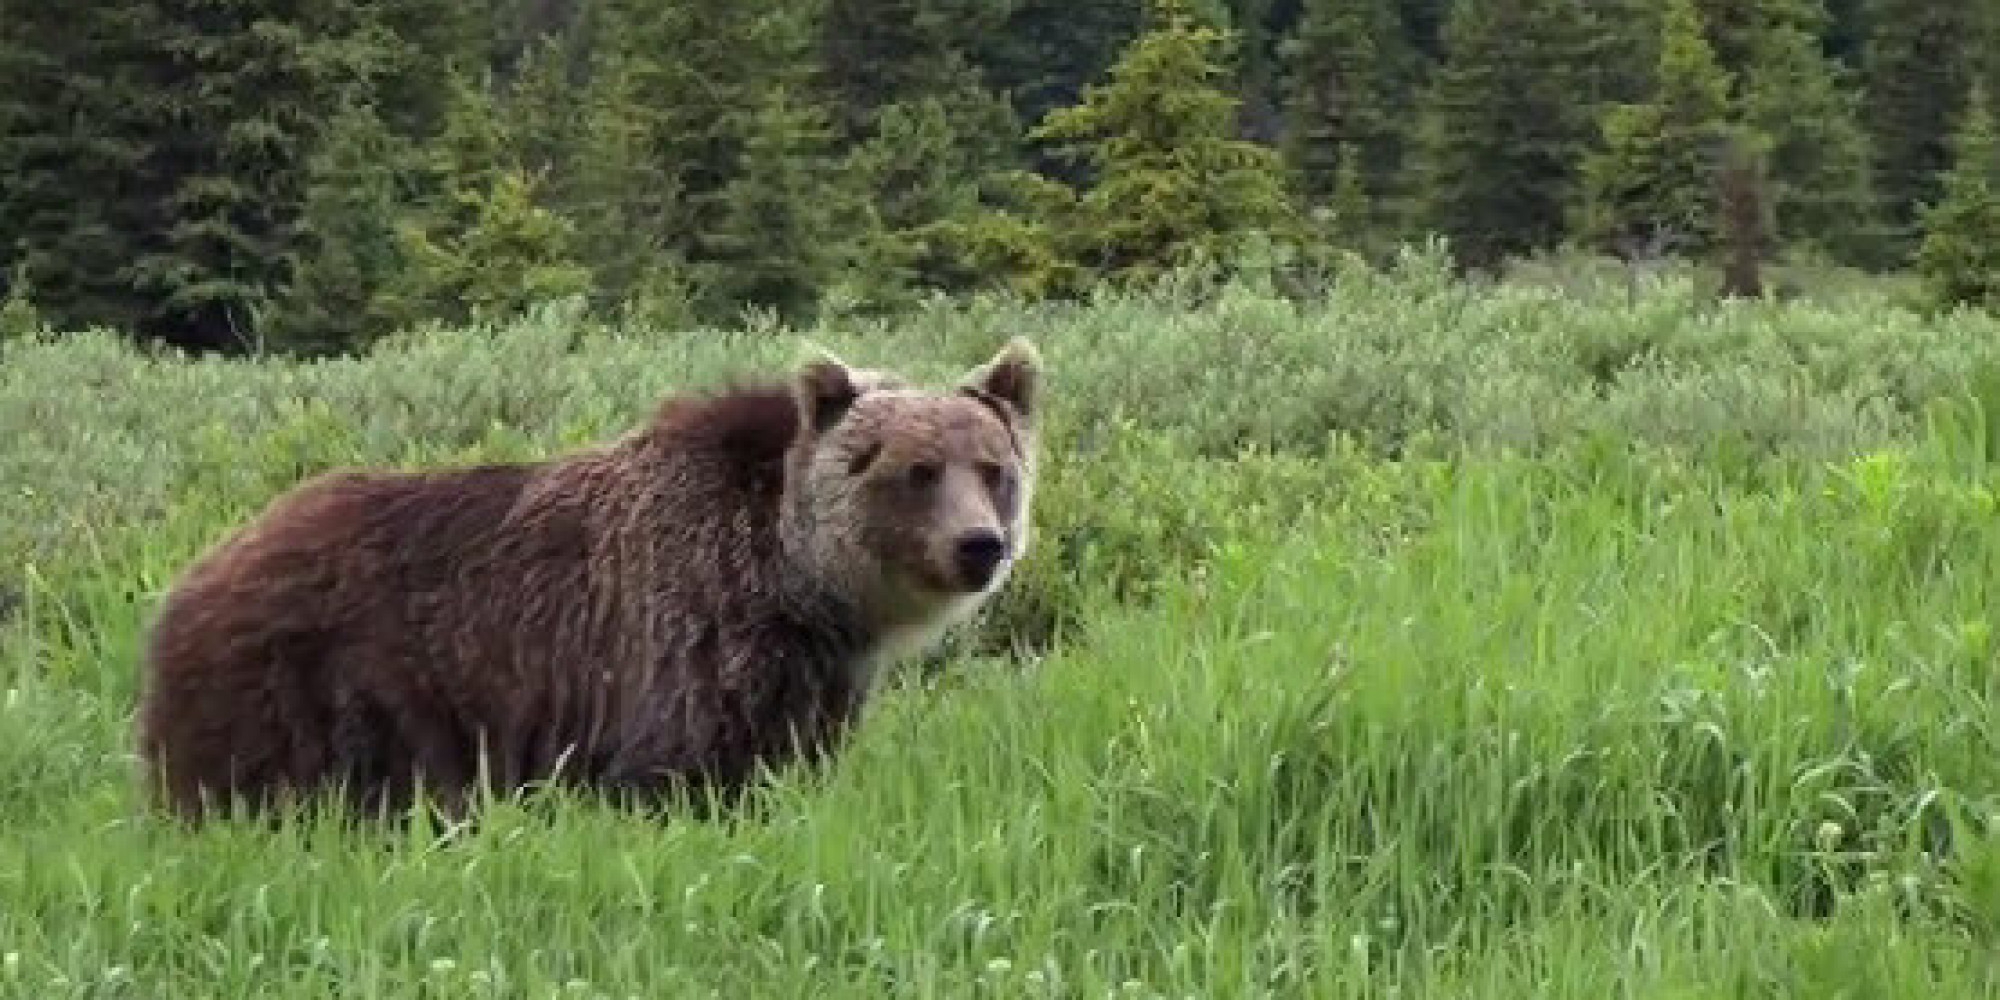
x: 912, y: 503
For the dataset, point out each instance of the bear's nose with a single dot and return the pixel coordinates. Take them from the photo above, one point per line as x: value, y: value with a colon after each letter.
x: 979, y: 554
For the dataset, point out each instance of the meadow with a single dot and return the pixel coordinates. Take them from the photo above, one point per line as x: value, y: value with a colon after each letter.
x: 1424, y: 639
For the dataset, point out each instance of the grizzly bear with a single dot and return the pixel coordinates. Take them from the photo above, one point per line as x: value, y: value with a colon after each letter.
x: 698, y: 600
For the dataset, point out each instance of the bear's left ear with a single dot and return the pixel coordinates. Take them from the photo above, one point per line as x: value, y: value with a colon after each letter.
x: 825, y: 389
x: 1013, y: 377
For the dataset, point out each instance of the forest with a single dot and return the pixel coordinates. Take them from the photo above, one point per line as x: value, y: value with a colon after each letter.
x: 1518, y: 510
x: 263, y: 175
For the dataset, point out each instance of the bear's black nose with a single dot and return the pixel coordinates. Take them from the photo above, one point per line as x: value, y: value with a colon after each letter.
x: 979, y: 554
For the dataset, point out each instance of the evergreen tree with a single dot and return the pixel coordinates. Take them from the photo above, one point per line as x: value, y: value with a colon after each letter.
x: 1044, y: 53
x: 1744, y: 218
x: 1423, y: 24
x: 881, y: 53
x: 1959, y: 257
x: 18, y: 315
x: 513, y: 255
x: 623, y: 190
x: 1920, y: 63
x: 921, y: 128
x: 156, y: 166
x: 1656, y: 171
x: 921, y: 180
x: 544, y: 106
x: 709, y: 156
x: 771, y: 242
x: 1501, y: 129
x: 1823, y: 192
x: 477, y: 244
x: 79, y: 122
x: 415, y: 49
x: 348, y: 252
x: 1261, y: 27
x: 1171, y: 179
x: 1623, y: 52
x: 1349, y: 78
x: 1731, y: 28
x: 1846, y: 31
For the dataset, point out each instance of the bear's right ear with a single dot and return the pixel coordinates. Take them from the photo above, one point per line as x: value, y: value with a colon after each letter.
x: 1012, y: 376
x: 825, y: 389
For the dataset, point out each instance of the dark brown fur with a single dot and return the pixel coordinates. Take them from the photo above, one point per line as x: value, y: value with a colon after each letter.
x: 628, y: 618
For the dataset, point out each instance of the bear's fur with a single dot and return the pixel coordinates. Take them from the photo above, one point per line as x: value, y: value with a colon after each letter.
x: 709, y: 594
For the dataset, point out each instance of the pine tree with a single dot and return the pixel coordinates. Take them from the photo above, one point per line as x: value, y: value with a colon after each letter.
x: 1823, y: 191
x: 349, y: 250
x: 702, y: 120
x: 1744, y: 217
x: 1501, y: 128
x: 67, y: 211
x: 920, y: 179
x: 1171, y: 179
x: 1655, y: 173
x: 880, y: 53
x: 158, y: 165
x: 1731, y: 28
x: 1044, y: 53
x: 480, y: 244
x: 770, y: 242
x: 622, y: 189
x: 1262, y: 26
x: 1959, y: 257
x: 1846, y: 31
x: 18, y: 316
x: 1920, y: 65
x: 921, y: 129
x: 1349, y: 77
x: 544, y: 105
x: 1623, y: 53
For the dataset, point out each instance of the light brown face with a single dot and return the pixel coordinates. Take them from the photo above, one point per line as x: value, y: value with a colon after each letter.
x: 937, y: 480
x: 917, y: 492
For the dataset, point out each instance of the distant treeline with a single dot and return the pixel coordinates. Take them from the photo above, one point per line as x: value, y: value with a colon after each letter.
x: 311, y: 174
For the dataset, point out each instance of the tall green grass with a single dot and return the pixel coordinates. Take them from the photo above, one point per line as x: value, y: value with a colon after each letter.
x: 1372, y: 703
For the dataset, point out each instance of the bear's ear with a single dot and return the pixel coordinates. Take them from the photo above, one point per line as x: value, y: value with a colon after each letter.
x: 1013, y: 376
x: 825, y: 389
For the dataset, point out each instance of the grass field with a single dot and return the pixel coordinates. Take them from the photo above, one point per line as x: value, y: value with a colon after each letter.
x: 1436, y: 641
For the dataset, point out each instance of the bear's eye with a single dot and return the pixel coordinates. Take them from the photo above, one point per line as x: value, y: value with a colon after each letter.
x: 923, y: 474
x: 993, y: 474
x: 864, y: 458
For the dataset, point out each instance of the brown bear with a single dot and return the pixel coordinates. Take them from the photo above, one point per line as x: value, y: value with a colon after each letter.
x: 704, y: 597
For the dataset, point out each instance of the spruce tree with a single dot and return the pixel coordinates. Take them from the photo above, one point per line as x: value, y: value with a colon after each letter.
x: 1731, y: 28
x: 1171, y: 180
x: 1655, y: 173
x: 543, y: 107
x: 479, y: 245
x: 1920, y: 61
x: 770, y: 240
x: 80, y: 121
x: 1959, y: 256
x: 1791, y: 92
x: 703, y: 123
x: 1502, y: 129
x: 1349, y: 76
x: 623, y: 189
x: 348, y: 251
x: 1623, y: 53
x: 1045, y: 52
x: 879, y: 53
x: 1744, y: 219
x: 921, y: 130
x: 158, y: 157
